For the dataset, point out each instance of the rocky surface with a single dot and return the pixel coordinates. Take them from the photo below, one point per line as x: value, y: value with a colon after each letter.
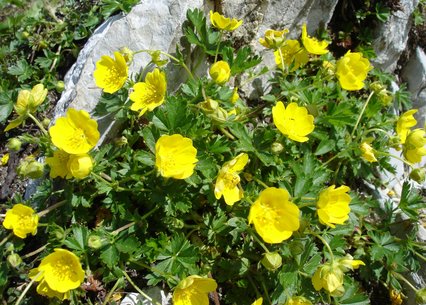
x: 391, y: 37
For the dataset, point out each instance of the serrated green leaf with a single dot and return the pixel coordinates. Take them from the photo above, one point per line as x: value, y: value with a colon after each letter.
x: 78, y: 240
x: 325, y: 146
x: 145, y: 157
x: 110, y: 256
x: 128, y: 244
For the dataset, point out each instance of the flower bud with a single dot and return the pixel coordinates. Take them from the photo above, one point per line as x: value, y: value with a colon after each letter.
x: 14, y: 144
x: 220, y: 72
x: 25, y: 34
x: 156, y: 58
x: 127, y: 54
x: 421, y: 296
x: 395, y: 297
x: 376, y: 87
x: 45, y: 122
x: 277, y: 147
x: 14, y: 260
x: 248, y: 177
x: 272, y: 261
x: 418, y: 175
x: 95, y: 241
x: 121, y: 141
x: 60, y: 86
x: 30, y: 168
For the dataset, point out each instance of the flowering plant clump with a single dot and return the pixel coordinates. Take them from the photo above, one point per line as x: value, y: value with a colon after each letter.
x: 209, y: 194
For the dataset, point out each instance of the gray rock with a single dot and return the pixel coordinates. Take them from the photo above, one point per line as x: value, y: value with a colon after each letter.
x: 414, y: 73
x: 152, y: 24
x: 391, y: 37
x: 153, y: 296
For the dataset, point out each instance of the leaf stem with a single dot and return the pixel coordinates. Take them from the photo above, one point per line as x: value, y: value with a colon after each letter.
x: 258, y: 240
x: 218, y: 44
x: 51, y: 208
x: 110, y: 293
x: 21, y: 297
x: 325, y: 243
x: 37, y: 122
x: 139, y: 290
x: 361, y: 113
x: 4, y: 240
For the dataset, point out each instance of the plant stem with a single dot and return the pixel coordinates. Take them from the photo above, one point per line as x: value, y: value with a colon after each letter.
x: 21, y: 297
x: 38, y: 123
x: 217, y: 49
x: 361, y: 113
x: 325, y: 243
x: 115, y: 232
x: 110, y: 293
x: 35, y: 251
x: 179, y: 62
x: 400, y: 277
x: 51, y: 208
x: 379, y: 153
x: 138, y: 289
x: 258, y: 240
x: 4, y: 240
x: 282, y: 58
x: 260, y: 182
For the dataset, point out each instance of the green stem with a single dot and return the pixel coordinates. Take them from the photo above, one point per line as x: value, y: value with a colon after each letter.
x: 139, y: 290
x: 325, y: 243
x: 217, y: 49
x: 34, y: 252
x: 378, y: 129
x: 37, y: 123
x: 400, y: 277
x: 282, y: 58
x: 51, y: 208
x: 361, y: 113
x: 380, y: 153
x: 258, y: 240
x: 21, y: 297
x: 179, y: 62
x: 4, y: 240
x: 118, y: 282
x: 265, y: 290
x: 226, y: 133
x: 260, y: 182
x: 115, y: 232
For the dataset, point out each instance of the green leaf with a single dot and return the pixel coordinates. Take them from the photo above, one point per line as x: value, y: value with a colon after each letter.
x: 411, y: 201
x: 78, y: 240
x: 128, y: 244
x: 110, y: 256
x: 179, y: 257
x: 22, y: 69
x: 145, y: 157
x: 325, y: 146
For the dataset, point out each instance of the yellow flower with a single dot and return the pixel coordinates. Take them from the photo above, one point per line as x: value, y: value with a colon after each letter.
x: 22, y: 220
x: 313, y: 45
x: 220, y: 72
x: 193, y: 290
x: 275, y: 218
x: 273, y: 39
x: 367, y: 152
x: 298, y: 301
x: 150, y: 94
x: 259, y: 301
x: 227, y: 182
x: 395, y: 297
x: 175, y: 156
x: 111, y: 74
x: 76, y: 133
x: 348, y: 263
x: 235, y: 96
x: 293, y: 54
x: 222, y: 23
x: 293, y: 121
x: 67, y: 166
x: 414, y: 147
x: 58, y: 273
x: 330, y: 278
x: 404, y: 123
x: 333, y: 205
x: 4, y: 159
x: 352, y: 70
x: 27, y: 103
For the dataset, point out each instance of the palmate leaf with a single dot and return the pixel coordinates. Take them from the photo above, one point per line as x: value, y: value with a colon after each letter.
x: 179, y: 257
x: 197, y: 32
x: 243, y: 60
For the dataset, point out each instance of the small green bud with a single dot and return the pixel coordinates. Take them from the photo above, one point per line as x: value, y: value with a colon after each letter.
x: 60, y: 86
x: 95, y: 242
x: 376, y: 87
x: 14, y: 144
x: 121, y: 141
x: 385, y: 97
x: 45, y: 122
x: 248, y: 177
x: 43, y: 44
x: 25, y: 34
x: 421, y: 296
x: 14, y: 259
x: 277, y: 147
x: 272, y: 261
x: 30, y: 168
x: 127, y: 54
x: 418, y: 175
